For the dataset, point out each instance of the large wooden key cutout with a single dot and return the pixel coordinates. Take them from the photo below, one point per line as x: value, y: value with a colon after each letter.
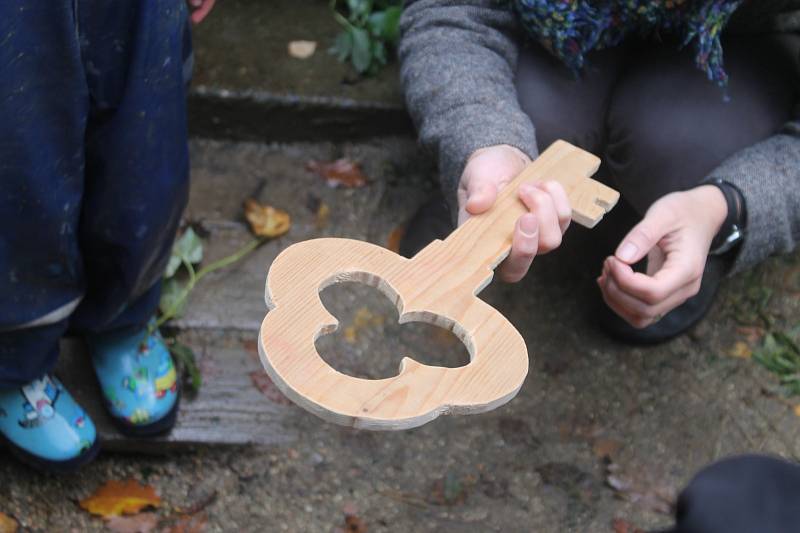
x: 439, y: 285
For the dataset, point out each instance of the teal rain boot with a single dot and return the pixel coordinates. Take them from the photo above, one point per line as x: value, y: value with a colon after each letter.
x: 44, y: 426
x: 138, y: 378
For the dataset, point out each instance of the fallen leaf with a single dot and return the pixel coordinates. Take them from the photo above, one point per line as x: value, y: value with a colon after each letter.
x: 393, y: 242
x: 353, y: 524
x: 363, y: 318
x: 120, y: 497
x: 302, y: 49
x: 751, y: 334
x: 138, y: 523
x: 741, y: 349
x: 623, y: 526
x: 265, y: 220
x: 195, y: 523
x: 322, y: 215
x: 606, y: 448
x: 8, y: 524
x: 641, y: 489
x: 796, y: 410
x: 264, y: 384
x: 340, y: 173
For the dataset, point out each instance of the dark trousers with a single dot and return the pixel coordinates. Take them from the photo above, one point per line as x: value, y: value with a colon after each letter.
x: 654, y: 119
x: 93, y: 168
x: 747, y: 494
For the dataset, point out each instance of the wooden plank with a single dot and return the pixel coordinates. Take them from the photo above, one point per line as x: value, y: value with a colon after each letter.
x: 228, y: 409
x: 438, y: 286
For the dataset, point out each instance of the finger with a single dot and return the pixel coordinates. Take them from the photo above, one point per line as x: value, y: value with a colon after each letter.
x: 541, y: 204
x: 675, y: 276
x: 524, y: 246
x: 195, y: 3
x: 644, y: 235
x: 617, y: 302
x: 480, y: 196
x: 201, y: 12
x: 560, y: 201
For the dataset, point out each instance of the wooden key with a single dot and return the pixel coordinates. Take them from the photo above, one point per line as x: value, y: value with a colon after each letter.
x: 439, y: 285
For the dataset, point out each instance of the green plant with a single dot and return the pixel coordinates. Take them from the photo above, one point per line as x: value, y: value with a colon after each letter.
x: 780, y: 354
x: 186, y: 253
x: 371, y: 29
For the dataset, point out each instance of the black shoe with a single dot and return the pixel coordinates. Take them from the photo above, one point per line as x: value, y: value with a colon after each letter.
x: 431, y: 221
x: 673, y: 323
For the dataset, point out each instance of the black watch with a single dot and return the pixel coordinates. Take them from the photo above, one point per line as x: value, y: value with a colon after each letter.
x: 732, y: 231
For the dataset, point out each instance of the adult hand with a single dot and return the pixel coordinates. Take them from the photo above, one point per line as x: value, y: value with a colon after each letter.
x: 675, y: 235
x: 539, y: 231
x: 200, y: 8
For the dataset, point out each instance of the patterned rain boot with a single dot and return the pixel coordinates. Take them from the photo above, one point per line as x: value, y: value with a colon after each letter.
x: 139, y: 382
x: 45, y: 428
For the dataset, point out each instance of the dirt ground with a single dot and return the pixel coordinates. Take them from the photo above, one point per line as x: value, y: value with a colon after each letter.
x: 600, y: 430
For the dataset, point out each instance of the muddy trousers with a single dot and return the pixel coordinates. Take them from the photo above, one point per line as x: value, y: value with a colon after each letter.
x: 93, y: 168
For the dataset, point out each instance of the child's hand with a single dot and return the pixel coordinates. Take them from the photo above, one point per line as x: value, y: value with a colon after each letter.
x: 488, y: 170
x: 200, y: 8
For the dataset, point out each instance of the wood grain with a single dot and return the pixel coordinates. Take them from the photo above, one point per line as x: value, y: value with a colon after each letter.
x: 439, y: 285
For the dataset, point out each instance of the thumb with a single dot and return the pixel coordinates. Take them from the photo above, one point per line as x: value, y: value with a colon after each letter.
x: 481, y: 195
x: 644, y: 235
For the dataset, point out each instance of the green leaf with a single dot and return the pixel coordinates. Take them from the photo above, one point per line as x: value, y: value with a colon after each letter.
x: 172, y: 291
x: 386, y: 24
x: 379, y: 52
x: 189, y: 247
x: 342, y: 46
x: 172, y: 266
x: 362, y: 56
x: 185, y: 357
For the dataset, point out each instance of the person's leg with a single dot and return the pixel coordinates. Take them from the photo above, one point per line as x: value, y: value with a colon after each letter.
x: 668, y: 127
x: 137, y: 162
x: 137, y: 171
x: 43, y: 105
x: 741, y: 495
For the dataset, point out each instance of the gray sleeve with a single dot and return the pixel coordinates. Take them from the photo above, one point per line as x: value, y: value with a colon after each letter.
x: 458, y: 61
x: 768, y: 175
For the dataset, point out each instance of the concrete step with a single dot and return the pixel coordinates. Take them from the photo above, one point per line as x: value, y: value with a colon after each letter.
x: 247, y: 87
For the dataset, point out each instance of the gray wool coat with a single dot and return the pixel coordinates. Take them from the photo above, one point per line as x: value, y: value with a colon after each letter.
x: 458, y: 61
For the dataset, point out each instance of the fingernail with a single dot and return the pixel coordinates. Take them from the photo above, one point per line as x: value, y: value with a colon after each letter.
x: 627, y: 252
x: 526, y: 189
x: 197, y: 3
x: 528, y: 225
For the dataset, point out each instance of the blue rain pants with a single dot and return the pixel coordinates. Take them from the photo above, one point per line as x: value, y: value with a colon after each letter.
x: 93, y: 168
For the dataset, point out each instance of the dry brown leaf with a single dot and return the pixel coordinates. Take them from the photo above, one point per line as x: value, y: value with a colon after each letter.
x: 796, y: 410
x: 302, y: 49
x: 264, y: 384
x: 195, y: 523
x: 740, y: 349
x: 640, y: 488
x: 603, y: 448
x: 265, y: 220
x: 322, y: 215
x: 751, y: 334
x: 353, y: 524
x: 120, y: 497
x: 8, y: 524
x: 363, y: 318
x: 340, y: 173
x: 138, y: 523
x: 623, y: 526
x: 393, y: 242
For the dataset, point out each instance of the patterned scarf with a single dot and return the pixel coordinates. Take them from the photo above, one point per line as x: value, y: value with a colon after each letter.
x: 569, y: 29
